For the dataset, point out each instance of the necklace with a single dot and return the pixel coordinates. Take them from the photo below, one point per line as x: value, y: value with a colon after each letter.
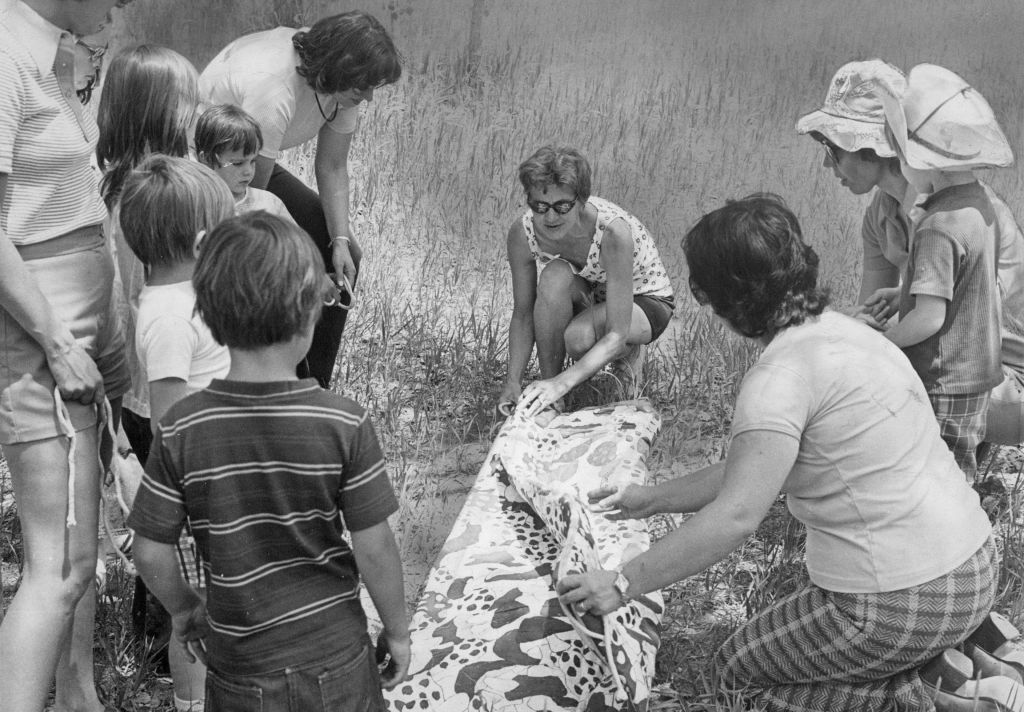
x: 327, y: 118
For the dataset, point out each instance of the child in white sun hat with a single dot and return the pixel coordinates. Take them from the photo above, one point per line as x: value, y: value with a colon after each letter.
x: 942, y: 129
x: 850, y: 125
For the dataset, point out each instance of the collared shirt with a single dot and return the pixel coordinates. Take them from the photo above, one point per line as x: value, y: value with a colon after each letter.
x: 45, y: 146
x: 257, y: 73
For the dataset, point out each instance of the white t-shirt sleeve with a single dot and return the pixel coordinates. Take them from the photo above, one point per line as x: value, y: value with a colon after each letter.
x: 167, y: 346
x: 346, y: 122
x: 774, y: 398
x: 271, y: 104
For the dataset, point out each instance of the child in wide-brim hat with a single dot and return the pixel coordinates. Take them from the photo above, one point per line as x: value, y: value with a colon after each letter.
x: 942, y: 129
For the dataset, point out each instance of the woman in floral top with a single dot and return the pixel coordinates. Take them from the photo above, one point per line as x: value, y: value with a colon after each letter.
x: 587, y: 282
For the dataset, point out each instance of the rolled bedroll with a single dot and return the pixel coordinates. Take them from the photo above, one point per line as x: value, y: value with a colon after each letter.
x: 489, y: 632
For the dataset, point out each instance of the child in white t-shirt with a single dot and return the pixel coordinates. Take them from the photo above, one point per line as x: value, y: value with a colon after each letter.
x: 228, y: 140
x: 167, y: 205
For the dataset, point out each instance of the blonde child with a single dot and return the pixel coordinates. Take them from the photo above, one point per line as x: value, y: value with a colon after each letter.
x: 273, y: 470
x: 229, y: 140
x: 167, y: 205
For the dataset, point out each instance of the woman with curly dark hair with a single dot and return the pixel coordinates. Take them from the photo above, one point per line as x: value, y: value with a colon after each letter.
x: 900, y: 555
x: 300, y: 85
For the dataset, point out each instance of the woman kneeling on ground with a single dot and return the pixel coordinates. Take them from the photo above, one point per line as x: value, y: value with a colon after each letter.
x: 602, y: 290
x: 900, y: 554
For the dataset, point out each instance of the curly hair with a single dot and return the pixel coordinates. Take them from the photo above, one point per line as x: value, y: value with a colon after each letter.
x: 149, y: 101
x: 259, y: 281
x: 748, y: 261
x: 347, y: 51
x: 556, y: 165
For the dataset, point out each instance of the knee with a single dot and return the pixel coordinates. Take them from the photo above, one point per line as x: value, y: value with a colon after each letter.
x: 63, y: 586
x: 555, y: 282
x: 579, y: 339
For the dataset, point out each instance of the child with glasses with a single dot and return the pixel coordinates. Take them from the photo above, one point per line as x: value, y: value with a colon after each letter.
x: 587, y: 283
x: 229, y: 140
x: 277, y: 476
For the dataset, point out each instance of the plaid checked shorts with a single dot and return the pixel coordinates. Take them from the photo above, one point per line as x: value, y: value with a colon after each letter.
x: 820, y: 651
x: 962, y: 425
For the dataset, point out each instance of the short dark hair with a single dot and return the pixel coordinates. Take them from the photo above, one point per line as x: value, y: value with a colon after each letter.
x: 226, y: 127
x: 165, y: 203
x: 748, y: 261
x: 259, y: 281
x: 556, y: 165
x: 347, y: 51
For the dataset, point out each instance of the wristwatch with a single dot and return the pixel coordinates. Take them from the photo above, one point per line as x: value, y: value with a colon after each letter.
x: 622, y: 586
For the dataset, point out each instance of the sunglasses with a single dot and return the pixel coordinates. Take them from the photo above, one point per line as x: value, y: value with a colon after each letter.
x: 561, y: 207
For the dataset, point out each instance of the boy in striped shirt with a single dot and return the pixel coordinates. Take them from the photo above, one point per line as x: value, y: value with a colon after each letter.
x: 271, y: 471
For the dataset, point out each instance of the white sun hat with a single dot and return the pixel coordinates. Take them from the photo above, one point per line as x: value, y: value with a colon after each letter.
x: 852, y: 116
x: 940, y: 122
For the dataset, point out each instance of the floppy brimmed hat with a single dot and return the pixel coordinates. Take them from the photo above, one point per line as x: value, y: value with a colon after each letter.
x: 942, y: 123
x: 852, y: 116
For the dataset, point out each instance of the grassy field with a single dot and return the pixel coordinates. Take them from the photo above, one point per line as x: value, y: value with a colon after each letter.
x: 679, y: 106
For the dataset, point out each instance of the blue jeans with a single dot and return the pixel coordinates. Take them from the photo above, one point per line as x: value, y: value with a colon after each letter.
x: 341, y: 683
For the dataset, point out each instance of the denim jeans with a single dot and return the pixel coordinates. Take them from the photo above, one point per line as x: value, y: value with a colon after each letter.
x: 346, y: 682
x: 307, y: 210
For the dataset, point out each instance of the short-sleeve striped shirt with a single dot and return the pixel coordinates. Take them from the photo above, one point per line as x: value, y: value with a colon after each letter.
x: 257, y: 73
x: 52, y: 187
x: 270, y: 475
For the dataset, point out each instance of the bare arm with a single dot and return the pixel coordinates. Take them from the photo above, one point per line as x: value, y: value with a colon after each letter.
x: 680, y: 495
x: 20, y: 295
x: 331, y: 168
x: 755, y: 470
x: 158, y: 565
x: 381, y: 569
x: 162, y: 395
x: 923, y: 321
x: 520, y: 328
x: 617, y: 261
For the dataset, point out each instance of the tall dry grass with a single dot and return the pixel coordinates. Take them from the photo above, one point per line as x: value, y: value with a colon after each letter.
x: 679, y: 106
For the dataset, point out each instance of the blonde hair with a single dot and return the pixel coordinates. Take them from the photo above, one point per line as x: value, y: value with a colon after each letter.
x: 149, y: 103
x: 166, y: 203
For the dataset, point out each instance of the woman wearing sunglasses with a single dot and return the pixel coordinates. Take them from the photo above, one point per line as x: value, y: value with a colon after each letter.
x: 900, y: 554
x: 300, y: 85
x: 587, y: 282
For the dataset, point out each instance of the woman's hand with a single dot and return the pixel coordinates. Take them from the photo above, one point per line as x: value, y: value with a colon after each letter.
x: 508, y: 397
x: 76, y: 375
x: 341, y: 258
x: 592, y: 592
x: 629, y: 502
x: 540, y: 394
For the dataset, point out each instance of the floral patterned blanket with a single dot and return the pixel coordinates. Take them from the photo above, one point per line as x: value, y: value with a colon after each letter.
x: 489, y: 632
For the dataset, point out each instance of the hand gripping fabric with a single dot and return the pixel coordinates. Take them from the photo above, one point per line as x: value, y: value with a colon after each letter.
x: 489, y: 632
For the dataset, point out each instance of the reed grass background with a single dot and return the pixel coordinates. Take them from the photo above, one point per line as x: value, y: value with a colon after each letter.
x: 679, y: 106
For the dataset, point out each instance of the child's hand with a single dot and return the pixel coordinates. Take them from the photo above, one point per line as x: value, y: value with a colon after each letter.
x: 191, y: 628
x: 396, y: 653
x: 882, y: 304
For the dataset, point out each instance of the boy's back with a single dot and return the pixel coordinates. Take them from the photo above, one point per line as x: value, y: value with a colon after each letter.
x: 263, y: 471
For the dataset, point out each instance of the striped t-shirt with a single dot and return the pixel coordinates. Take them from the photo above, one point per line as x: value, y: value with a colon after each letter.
x: 52, y: 188
x: 270, y: 476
